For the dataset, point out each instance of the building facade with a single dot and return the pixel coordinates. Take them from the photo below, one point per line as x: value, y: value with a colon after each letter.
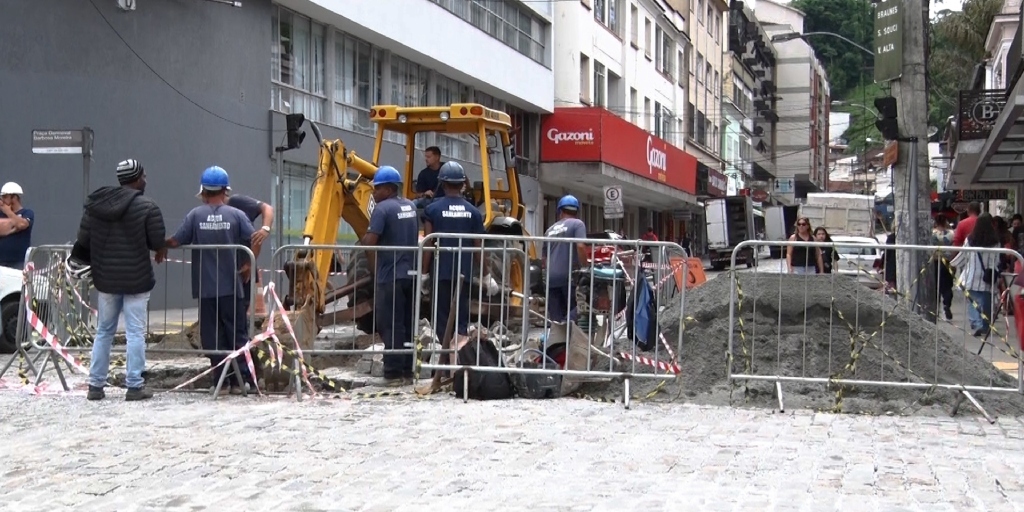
x: 708, y: 31
x: 803, y: 107
x: 623, y: 74
x: 184, y: 85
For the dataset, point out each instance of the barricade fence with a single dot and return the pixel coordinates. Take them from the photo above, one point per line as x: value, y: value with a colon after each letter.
x: 850, y: 328
x: 351, y: 317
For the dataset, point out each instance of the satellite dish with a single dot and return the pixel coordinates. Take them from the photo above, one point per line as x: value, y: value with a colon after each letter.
x: 932, y: 131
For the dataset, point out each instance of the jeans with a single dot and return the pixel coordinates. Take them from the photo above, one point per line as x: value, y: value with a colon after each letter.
x: 805, y: 270
x: 224, y: 325
x: 394, y: 307
x: 135, y: 308
x: 983, y: 299
x: 561, y: 303
x: 445, y: 291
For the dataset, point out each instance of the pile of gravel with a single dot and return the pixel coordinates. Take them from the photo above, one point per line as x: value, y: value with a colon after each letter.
x: 801, y: 326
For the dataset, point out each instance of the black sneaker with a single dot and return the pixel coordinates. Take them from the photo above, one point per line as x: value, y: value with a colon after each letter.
x: 949, y: 314
x: 95, y: 393
x: 135, y: 394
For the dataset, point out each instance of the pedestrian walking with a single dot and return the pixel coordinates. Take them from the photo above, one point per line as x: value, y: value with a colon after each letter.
x: 393, y: 223
x: 829, y: 255
x: 216, y: 273
x: 16, y: 223
x: 561, y: 258
x: 452, y: 214
x: 120, y: 227
x: 803, y: 260
x: 979, y: 273
x: 942, y: 236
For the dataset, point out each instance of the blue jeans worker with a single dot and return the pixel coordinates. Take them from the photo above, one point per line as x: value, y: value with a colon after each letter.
x: 118, y: 230
x: 561, y: 258
x: 452, y: 213
x: 393, y: 223
x: 216, y: 273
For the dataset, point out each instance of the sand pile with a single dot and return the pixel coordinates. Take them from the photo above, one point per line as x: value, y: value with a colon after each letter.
x: 813, y: 339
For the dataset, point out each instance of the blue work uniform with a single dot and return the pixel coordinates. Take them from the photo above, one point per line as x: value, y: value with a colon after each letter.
x: 426, y: 180
x: 453, y: 215
x: 216, y: 282
x: 394, y: 222
x: 14, y: 246
x: 252, y: 210
x: 562, y: 258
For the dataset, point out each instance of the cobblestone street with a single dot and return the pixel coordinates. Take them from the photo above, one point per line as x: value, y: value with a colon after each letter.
x: 186, y: 452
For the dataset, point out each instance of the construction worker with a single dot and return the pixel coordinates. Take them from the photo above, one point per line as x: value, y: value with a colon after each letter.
x: 393, y: 223
x: 452, y: 214
x: 216, y: 279
x: 16, y: 223
x: 561, y: 258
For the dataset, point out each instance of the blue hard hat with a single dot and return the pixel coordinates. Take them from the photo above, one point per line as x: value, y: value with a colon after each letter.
x: 386, y: 175
x: 569, y: 202
x: 214, y: 178
x: 451, y: 172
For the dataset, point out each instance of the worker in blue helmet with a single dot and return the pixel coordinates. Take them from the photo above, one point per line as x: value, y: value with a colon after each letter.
x: 217, y: 273
x: 393, y: 223
x: 561, y: 258
x: 452, y: 213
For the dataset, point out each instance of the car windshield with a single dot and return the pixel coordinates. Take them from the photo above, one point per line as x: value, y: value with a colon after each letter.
x: 862, y: 249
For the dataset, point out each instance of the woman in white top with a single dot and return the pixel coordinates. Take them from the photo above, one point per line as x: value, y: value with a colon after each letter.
x: 976, y: 271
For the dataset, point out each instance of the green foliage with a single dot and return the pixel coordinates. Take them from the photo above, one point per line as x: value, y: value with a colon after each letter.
x: 862, y: 121
x: 956, y: 46
x: 847, y: 67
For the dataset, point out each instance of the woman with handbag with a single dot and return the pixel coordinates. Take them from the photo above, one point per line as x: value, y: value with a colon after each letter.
x: 979, y: 274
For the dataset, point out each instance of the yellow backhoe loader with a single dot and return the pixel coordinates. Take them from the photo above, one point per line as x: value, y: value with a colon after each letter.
x: 343, y: 192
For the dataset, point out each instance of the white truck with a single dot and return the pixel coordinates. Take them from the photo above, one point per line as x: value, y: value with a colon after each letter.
x: 779, y: 225
x: 730, y: 220
x: 841, y: 214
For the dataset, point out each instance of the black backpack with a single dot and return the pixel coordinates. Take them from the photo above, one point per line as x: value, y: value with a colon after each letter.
x: 482, y: 385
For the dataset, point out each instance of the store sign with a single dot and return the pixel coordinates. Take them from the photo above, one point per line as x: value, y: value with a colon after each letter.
x: 596, y: 135
x: 718, y: 183
x: 983, y: 195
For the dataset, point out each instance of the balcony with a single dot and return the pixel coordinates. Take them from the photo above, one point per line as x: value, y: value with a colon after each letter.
x: 987, y: 142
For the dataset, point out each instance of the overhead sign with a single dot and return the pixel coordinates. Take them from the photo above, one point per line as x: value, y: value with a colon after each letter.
x: 613, y: 208
x: 888, y: 40
x: 58, y: 142
x: 891, y: 153
x: 785, y: 185
x: 983, y: 195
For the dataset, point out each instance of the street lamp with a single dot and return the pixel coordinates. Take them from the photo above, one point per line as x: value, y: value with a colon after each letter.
x: 838, y: 103
x: 789, y: 36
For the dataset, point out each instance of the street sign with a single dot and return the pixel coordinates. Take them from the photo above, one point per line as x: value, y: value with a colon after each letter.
x: 613, y: 208
x: 983, y: 195
x: 58, y: 142
x: 758, y: 195
x: 785, y: 185
x: 891, y: 153
x: 888, y: 40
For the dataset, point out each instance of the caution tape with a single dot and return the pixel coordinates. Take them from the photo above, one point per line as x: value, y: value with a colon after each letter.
x: 40, y: 327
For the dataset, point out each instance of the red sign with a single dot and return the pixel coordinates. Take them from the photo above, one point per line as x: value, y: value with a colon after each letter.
x: 718, y: 183
x: 759, y: 195
x: 588, y: 134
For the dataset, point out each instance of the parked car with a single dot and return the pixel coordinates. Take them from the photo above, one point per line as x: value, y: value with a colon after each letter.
x: 857, y: 260
x: 10, y: 304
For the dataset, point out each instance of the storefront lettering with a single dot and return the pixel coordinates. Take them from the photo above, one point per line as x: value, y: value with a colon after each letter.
x: 556, y: 136
x: 718, y: 182
x: 656, y: 158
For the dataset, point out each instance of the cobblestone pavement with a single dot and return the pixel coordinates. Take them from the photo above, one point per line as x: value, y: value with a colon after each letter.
x: 186, y: 452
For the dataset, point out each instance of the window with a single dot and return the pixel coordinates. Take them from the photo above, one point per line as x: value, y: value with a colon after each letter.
x: 648, y: 34
x: 506, y: 21
x: 408, y: 89
x: 700, y: 11
x: 707, y: 75
x: 718, y: 30
x: 600, y: 85
x: 691, y: 120
x: 647, y: 114
x: 710, y: 18
x: 634, y: 25
x: 681, y: 72
x: 358, y: 83
x: 701, y: 132
x: 667, y: 120
x: 659, y: 50
x: 634, y: 107
x: 584, y: 79
x: 657, y: 120
x: 297, y: 65
x: 606, y: 12
x: 665, y: 53
x: 716, y: 84
x: 453, y: 147
x: 616, y: 94
x: 700, y: 68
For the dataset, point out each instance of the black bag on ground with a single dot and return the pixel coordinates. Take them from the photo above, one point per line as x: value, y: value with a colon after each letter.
x: 536, y: 386
x: 482, y: 385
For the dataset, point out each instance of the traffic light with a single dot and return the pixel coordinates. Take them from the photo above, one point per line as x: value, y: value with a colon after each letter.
x: 295, y: 137
x: 887, y: 124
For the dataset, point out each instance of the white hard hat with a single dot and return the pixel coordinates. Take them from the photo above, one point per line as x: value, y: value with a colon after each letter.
x: 11, y: 188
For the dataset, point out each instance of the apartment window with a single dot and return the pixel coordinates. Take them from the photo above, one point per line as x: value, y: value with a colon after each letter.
x: 584, y: 79
x: 700, y: 11
x: 667, y: 120
x: 701, y: 125
x: 607, y: 12
x: 700, y: 68
x: 691, y: 122
x: 506, y: 21
x: 648, y: 34
x: 453, y: 146
x: 718, y: 29
x: 710, y: 18
x: 634, y: 107
x: 297, y: 65
x: 707, y: 74
x: 689, y: 59
x: 616, y: 94
x: 681, y: 72
x: 717, y: 85
x: 634, y: 25
x: 358, y: 83
x: 647, y: 114
x: 600, y: 85
x: 664, y: 60
x: 408, y: 83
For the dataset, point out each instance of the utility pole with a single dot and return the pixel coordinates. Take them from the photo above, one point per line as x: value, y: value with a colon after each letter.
x: 912, y: 195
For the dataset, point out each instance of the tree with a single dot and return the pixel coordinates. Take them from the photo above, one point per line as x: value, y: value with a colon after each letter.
x: 847, y: 67
x: 957, y: 46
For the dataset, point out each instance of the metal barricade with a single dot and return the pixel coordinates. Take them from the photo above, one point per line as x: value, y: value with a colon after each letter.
x: 851, y: 328
x: 581, y: 335
x: 62, y: 317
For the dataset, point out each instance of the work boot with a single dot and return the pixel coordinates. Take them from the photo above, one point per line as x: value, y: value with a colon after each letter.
x: 135, y: 394
x: 396, y: 382
x: 236, y: 390
x: 95, y: 393
x: 949, y: 313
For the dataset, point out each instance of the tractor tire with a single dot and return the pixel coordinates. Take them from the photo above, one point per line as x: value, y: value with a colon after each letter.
x: 358, y: 268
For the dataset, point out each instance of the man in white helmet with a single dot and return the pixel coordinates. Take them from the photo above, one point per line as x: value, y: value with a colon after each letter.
x: 15, y: 226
